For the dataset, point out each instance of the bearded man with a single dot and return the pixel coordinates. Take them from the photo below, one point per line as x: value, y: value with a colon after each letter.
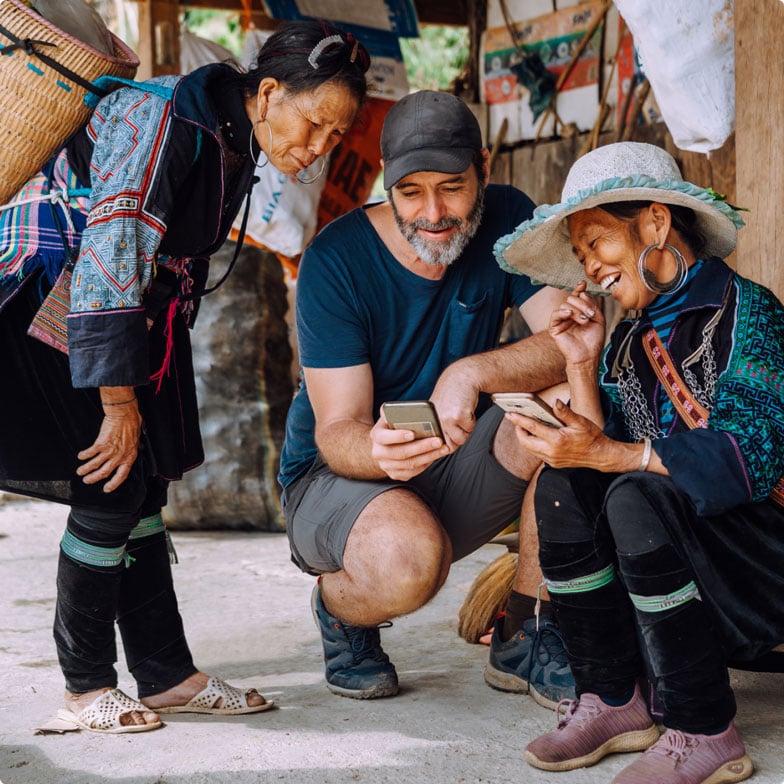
x: 404, y: 300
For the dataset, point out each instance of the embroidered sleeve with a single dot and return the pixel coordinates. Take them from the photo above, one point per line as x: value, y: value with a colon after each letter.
x: 749, y: 404
x: 739, y: 457
x: 115, y: 265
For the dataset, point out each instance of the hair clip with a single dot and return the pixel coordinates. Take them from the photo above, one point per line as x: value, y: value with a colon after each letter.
x: 320, y: 47
x: 354, y: 51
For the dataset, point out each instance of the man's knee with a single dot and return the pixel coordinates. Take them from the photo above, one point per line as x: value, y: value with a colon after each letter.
x: 398, y: 549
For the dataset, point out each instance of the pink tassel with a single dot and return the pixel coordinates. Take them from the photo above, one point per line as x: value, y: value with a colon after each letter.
x: 168, y: 333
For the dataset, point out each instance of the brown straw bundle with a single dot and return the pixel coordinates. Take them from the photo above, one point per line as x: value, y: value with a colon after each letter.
x: 40, y: 106
x: 487, y: 597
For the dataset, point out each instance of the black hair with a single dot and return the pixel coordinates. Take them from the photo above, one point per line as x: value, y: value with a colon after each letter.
x: 684, y: 220
x: 284, y: 56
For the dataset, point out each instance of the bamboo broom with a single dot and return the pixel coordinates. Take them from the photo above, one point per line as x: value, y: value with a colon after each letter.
x: 487, y: 597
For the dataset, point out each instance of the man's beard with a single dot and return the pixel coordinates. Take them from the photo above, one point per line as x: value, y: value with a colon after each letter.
x: 442, y: 252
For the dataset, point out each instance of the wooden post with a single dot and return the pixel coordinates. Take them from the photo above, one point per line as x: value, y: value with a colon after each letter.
x: 159, y: 38
x: 759, y: 111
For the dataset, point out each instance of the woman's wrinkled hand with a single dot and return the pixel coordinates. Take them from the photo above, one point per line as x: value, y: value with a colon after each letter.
x: 579, y: 443
x: 578, y: 327
x: 114, y: 451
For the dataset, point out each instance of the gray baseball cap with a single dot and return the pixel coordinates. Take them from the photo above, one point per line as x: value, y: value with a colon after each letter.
x: 428, y: 131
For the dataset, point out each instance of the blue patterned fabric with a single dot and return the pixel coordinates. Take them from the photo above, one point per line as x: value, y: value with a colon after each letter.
x: 739, y: 458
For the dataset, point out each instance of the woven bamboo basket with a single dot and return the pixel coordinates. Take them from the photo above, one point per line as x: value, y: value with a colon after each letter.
x: 39, y: 106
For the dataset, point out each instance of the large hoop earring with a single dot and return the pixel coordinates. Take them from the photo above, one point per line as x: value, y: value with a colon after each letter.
x: 649, y: 279
x: 250, y: 144
x: 309, y: 180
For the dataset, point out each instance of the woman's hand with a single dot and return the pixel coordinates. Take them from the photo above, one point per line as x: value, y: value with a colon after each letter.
x: 579, y: 443
x: 578, y: 327
x: 115, y: 449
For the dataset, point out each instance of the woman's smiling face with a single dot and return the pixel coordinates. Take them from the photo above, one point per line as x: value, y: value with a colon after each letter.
x: 608, y: 248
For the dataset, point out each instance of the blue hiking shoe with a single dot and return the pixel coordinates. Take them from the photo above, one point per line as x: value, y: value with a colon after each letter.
x: 532, y: 662
x: 356, y: 665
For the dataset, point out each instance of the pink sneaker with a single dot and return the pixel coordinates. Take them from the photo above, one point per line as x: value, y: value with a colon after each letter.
x: 590, y: 730
x: 681, y: 758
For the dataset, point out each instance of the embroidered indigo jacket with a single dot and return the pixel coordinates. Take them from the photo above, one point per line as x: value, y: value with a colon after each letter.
x: 739, y: 457
x: 160, y: 185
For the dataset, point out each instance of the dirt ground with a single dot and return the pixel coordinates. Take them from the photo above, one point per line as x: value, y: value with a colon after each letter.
x: 247, y: 614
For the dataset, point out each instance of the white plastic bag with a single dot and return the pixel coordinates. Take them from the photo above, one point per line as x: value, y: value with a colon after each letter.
x: 254, y: 40
x: 196, y: 52
x: 283, y: 211
x: 687, y: 51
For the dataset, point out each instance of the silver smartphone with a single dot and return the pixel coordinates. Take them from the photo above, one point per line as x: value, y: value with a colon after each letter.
x: 418, y: 416
x: 529, y: 404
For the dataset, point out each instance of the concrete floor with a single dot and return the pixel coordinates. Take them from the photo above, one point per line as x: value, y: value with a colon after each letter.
x: 246, y: 610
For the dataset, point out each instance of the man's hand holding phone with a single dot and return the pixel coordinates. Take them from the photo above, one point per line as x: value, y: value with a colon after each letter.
x: 407, y: 438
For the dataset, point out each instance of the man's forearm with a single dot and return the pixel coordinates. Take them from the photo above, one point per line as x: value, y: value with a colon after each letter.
x: 528, y: 365
x: 346, y: 448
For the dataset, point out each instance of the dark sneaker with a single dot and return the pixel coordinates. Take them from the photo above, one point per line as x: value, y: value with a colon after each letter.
x: 681, y: 758
x: 356, y: 665
x: 589, y: 730
x: 532, y: 661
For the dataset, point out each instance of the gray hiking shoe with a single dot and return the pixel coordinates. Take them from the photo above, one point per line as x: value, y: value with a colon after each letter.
x: 356, y: 665
x: 533, y: 661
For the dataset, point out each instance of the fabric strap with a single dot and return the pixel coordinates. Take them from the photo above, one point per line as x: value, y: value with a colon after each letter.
x: 91, y: 554
x: 668, y: 601
x: 28, y: 45
x: 149, y: 526
x: 589, y: 582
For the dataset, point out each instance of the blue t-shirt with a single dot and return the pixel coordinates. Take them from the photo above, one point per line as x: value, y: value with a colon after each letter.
x: 357, y: 304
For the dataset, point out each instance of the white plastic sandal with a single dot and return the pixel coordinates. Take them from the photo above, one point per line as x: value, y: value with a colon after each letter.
x: 235, y: 701
x: 103, y: 714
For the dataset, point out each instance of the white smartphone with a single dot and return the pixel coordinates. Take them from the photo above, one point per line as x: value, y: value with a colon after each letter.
x: 418, y: 416
x: 529, y: 404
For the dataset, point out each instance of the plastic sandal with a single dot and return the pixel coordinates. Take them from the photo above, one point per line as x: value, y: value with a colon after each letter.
x: 103, y: 714
x: 235, y: 701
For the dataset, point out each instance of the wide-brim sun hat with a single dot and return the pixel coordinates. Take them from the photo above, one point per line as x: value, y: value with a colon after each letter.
x: 627, y: 171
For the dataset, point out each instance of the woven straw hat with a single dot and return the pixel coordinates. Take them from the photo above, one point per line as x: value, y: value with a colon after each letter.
x: 628, y: 171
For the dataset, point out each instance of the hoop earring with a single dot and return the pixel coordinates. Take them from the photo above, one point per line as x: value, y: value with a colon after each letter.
x: 309, y: 180
x: 250, y: 144
x: 649, y: 279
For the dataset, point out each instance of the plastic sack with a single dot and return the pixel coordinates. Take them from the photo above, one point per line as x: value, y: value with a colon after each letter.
x: 284, y: 211
x: 77, y: 19
x: 196, y: 52
x: 254, y: 40
x: 688, y: 54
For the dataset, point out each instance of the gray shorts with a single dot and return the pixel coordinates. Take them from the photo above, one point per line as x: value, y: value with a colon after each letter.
x: 470, y: 492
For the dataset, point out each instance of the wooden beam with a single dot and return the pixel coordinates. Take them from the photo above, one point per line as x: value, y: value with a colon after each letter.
x: 759, y: 107
x: 159, y: 38
x: 444, y: 12
x: 258, y: 14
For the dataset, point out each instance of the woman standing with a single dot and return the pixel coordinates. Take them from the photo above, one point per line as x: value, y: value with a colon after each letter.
x: 661, y: 527
x: 167, y: 164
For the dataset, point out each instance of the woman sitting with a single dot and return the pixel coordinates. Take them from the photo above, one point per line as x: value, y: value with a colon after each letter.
x: 661, y: 529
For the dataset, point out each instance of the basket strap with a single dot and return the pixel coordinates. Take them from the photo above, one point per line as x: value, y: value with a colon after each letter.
x: 29, y: 44
x: 105, y: 84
